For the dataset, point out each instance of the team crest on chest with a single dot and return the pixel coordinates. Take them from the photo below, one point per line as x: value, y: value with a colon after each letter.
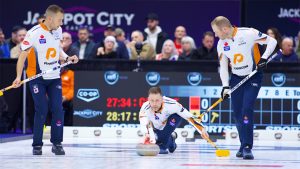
x: 42, y: 39
x: 226, y: 46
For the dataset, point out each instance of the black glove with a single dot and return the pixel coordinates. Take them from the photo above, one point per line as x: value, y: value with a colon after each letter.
x: 224, y: 92
x: 262, y: 64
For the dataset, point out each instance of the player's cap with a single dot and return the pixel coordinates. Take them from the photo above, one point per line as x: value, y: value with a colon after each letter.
x: 152, y: 16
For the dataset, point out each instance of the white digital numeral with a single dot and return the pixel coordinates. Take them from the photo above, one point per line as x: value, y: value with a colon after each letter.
x: 204, y: 103
x: 205, y: 118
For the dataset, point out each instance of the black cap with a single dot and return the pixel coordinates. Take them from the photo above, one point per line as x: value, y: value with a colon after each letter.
x: 110, y: 27
x: 152, y: 16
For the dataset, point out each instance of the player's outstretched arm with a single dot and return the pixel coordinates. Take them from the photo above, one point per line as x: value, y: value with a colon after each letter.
x: 199, y: 127
x: 184, y: 113
x: 20, y: 65
x: 146, y: 128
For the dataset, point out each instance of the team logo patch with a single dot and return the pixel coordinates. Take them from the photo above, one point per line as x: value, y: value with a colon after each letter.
x: 58, y: 86
x: 246, y: 121
x: 42, y: 39
x: 156, y: 117
x: 58, y: 123
x: 226, y: 47
x: 172, y: 122
x: 35, y: 89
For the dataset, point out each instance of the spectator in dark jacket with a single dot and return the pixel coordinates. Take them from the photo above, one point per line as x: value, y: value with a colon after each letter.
x: 153, y: 33
x: 288, y: 54
x: 207, y: 51
x: 84, y: 44
x: 189, y: 51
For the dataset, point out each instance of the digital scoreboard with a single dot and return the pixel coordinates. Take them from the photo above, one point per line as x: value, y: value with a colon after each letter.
x: 113, y: 99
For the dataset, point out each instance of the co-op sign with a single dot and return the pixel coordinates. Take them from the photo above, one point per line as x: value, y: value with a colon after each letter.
x: 88, y: 95
x: 86, y: 16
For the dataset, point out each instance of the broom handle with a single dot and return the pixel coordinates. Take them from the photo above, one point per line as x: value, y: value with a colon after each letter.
x: 37, y: 76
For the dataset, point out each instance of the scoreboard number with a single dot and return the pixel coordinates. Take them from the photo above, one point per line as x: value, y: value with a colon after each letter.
x: 204, y: 106
x: 205, y: 118
x: 204, y: 103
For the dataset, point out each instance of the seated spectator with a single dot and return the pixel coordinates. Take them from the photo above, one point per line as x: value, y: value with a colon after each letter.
x: 153, y: 34
x: 4, y: 47
x: 16, y: 51
x: 169, y: 51
x: 298, y: 46
x: 189, y: 51
x: 274, y: 33
x: 147, y: 53
x: 109, y: 50
x: 67, y: 45
x: 120, y: 35
x: 122, y: 51
x: 121, y: 38
x: 180, y: 32
x: 67, y: 84
x: 207, y: 51
x: 13, y: 41
x: 288, y: 54
x: 84, y: 44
